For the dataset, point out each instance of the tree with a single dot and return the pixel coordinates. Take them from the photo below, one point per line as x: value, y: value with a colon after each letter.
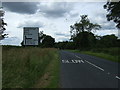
x: 109, y: 41
x: 83, y: 25
x: 45, y: 40
x: 48, y: 41
x: 84, y: 40
x: 65, y: 45
x: 113, y: 9
x: 81, y: 32
x: 41, y: 36
x: 2, y: 24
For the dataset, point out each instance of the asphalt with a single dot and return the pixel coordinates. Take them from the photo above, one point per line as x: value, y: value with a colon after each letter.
x: 85, y: 71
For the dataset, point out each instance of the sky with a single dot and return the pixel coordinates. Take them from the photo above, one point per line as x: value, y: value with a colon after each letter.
x: 53, y: 18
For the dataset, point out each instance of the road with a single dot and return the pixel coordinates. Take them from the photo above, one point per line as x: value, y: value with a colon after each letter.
x: 85, y: 71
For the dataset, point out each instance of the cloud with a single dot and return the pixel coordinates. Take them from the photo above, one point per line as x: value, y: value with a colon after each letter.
x: 100, y: 18
x: 31, y: 23
x: 11, y: 41
x: 55, y: 9
x: 74, y: 14
x: 108, y: 26
x: 62, y: 34
x: 119, y: 34
x: 21, y: 7
x: 59, y: 39
x: 107, y: 32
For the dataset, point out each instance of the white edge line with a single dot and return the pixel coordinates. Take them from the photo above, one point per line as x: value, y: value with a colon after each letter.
x: 117, y: 77
x: 94, y: 65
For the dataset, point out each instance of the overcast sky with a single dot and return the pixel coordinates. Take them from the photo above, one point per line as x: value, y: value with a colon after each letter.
x: 53, y: 18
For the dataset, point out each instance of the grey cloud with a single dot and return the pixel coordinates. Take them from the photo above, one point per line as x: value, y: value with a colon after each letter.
x: 73, y: 14
x: 62, y: 39
x: 21, y: 7
x: 100, y: 18
x: 11, y: 41
x: 56, y: 9
x: 62, y: 34
x: 31, y: 23
x: 108, y: 26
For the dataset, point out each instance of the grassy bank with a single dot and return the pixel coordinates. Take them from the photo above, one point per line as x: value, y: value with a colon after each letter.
x: 106, y: 53
x: 23, y: 67
x: 51, y: 77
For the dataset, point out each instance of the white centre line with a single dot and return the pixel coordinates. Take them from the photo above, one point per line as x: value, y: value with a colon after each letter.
x: 117, y: 77
x: 95, y: 66
x: 90, y: 63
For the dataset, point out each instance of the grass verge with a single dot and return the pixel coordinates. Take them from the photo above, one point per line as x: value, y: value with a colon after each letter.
x: 50, y: 79
x: 104, y: 55
x: 22, y: 67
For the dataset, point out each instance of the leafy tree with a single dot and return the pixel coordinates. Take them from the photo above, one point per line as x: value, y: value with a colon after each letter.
x: 2, y: 24
x: 81, y: 33
x: 113, y: 9
x: 118, y: 43
x: 65, y: 45
x: 109, y: 41
x: 84, y: 40
x: 83, y: 25
x: 61, y: 45
x: 41, y: 36
x: 45, y: 40
x: 48, y: 41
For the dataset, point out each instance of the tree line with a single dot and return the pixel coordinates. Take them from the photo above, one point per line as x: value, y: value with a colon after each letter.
x: 90, y: 41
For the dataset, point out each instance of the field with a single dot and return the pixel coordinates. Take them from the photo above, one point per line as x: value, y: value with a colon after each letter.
x: 30, y: 67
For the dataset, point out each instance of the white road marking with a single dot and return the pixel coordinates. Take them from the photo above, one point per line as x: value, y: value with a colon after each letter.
x: 78, y: 56
x: 117, y: 77
x: 82, y: 61
x: 95, y: 65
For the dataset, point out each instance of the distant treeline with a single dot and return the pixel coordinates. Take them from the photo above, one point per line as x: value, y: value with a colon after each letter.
x: 87, y: 41
x: 83, y: 41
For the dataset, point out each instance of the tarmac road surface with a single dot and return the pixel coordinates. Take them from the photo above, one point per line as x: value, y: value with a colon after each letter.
x: 85, y: 71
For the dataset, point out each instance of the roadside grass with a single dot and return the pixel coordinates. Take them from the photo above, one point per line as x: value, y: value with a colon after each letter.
x: 102, y: 55
x: 51, y: 77
x: 23, y: 66
x: 106, y: 53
